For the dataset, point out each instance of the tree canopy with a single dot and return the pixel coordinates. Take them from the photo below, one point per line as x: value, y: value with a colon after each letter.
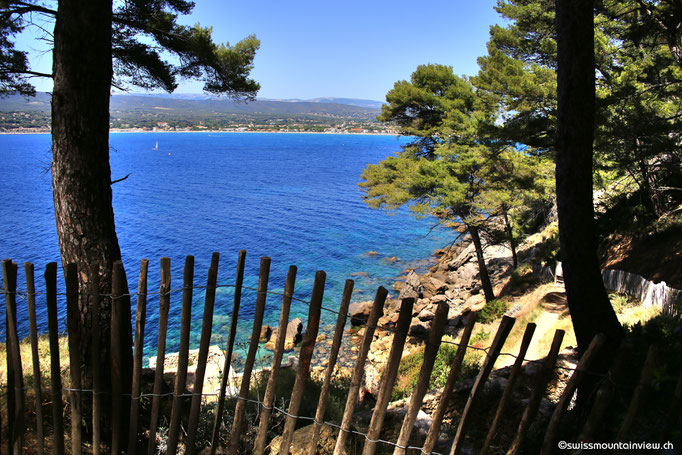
x: 452, y: 167
x: 149, y: 49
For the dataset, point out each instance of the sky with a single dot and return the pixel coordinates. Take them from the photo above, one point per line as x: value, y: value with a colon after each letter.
x: 349, y: 49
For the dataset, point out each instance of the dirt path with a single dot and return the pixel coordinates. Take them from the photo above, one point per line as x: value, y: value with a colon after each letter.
x: 552, y: 299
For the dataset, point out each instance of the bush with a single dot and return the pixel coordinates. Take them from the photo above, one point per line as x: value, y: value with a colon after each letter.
x: 492, y: 311
x: 408, y: 371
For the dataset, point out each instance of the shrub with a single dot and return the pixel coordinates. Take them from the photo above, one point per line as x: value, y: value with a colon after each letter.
x: 492, y: 311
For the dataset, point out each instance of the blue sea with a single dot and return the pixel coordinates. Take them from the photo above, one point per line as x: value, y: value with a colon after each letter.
x: 292, y: 197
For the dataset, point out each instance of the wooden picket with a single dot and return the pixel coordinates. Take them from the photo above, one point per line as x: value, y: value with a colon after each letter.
x: 125, y: 435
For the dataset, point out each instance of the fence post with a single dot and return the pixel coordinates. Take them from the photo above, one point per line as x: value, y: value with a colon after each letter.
x: 230, y: 345
x: 358, y: 371
x: 549, y: 444
x: 424, y: 378
x: 333, y: 354
x: 9, y: 277
x: 606, y: 392
x: 164, y: 306
x: 93, y: 290
x: 33, y: 331
x: 207, y: 326
x: 390, y: 373
x: 537, y: 391
x: 74, y: 333
x: 55, y: 370
x: 505, y: 327
x: 305, y: 357
x: 513, y: 376
x: 240, y: 407
x: 135, y: 389
x: 183, y: 355
x: 118, y: 300
x: 269, y: 398
x: 639, y: 395
x: 437, y: 418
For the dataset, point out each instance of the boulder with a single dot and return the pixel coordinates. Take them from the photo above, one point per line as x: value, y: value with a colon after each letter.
x: 301, y: 439
x: 462, y: 258
x: 293, y: 335
x: 419, y: 328
x: 265, y: 332
x: 359, y: 312
x: 412, y: 287
x: 427, y: 314
x: 475, y: 302
x: 433, y: 286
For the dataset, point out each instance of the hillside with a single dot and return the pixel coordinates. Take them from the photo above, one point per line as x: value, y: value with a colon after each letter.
x: 188, y: 112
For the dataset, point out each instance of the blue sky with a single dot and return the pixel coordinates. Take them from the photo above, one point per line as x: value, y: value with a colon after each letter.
x: 353, y: 49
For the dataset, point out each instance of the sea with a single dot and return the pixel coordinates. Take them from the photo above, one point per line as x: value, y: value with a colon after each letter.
x: 291, y: 197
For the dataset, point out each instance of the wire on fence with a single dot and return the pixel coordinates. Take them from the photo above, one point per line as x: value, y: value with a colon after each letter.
x: 425, y: 342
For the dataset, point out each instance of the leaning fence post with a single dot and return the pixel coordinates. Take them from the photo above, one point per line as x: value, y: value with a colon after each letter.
x: 118, y: 289
x: 9, y: 275
x: 164, y: 306
x: 240, y: 407
x: 358, y: 370
x: 135, y: 390
x: 230, y: 345
x: 269, y: 398
x: 73, y: 326
x: 430, y: 353
x: 549, y: 444
x: 183, y: 356
x: 55, y: 370
x: 333, y: 354
x: 95, y: 358
x: 389, y: 377
x: 448, y: 389
x: 606, y: 392
x: 639, y: 395
x: 207, y: 325
x: 305, y: 357
x: 506, y: 395
x: 537, y: 391
x: 502, y: 332
x: 33, y: 330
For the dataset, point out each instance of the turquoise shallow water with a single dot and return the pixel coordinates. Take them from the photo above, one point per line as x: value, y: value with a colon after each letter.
x: 292, y: 197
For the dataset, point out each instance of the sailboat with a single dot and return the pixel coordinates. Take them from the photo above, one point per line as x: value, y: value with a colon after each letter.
x: 156, y: 146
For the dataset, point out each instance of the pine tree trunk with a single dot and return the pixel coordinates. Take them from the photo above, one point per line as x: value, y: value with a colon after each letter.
x: 482, y: 268
x: 510, y: 234
x: 588, y: 302
x: 81, y: 175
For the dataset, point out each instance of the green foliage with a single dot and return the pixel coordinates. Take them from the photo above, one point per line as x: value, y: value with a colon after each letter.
x: 637, y: 57
x: 410, y: 365
x: 143, y: 35
x: 492, y: 311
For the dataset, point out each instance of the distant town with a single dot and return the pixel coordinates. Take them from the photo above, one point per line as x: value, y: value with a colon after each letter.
x: 167, y: 114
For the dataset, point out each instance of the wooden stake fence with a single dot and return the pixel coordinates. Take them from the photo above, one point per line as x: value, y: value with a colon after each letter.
x: 126, y: 435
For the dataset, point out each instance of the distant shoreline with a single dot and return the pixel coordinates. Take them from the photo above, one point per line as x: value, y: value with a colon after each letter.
x: 213, y: 131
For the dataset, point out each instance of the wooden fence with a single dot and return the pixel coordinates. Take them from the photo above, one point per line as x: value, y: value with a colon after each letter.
x: 124, y: 433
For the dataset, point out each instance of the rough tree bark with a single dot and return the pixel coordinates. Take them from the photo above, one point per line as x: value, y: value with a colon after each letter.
x: 81, y: 175
x: 482, y: 268
x: 588, y: 302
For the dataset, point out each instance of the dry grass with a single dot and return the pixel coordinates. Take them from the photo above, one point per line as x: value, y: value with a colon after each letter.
x: 44, y: 359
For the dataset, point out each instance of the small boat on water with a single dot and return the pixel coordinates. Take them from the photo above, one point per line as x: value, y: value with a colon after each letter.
x: 156, y: 146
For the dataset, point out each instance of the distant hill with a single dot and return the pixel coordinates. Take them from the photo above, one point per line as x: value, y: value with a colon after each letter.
x: 193, y: 104
x: 196, y: 111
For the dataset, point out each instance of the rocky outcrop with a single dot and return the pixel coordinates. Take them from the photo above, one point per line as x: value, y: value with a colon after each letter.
x: 292, y: 337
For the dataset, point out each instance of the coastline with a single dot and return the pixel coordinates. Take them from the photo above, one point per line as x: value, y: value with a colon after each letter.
x: 126, y: 131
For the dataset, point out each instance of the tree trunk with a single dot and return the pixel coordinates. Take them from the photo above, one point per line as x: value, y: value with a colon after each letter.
x: 588, y: 302
x: 81, y: 175
x: 482, y: 268
x: 510, y: 234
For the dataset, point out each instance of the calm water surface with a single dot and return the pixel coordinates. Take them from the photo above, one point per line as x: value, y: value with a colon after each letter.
x: 292, y: 197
